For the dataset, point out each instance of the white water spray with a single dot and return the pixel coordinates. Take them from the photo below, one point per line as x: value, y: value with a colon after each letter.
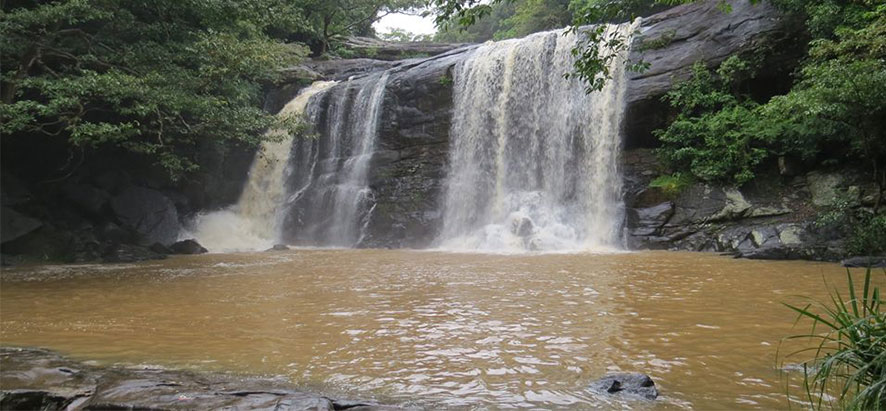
x: 533, y: 159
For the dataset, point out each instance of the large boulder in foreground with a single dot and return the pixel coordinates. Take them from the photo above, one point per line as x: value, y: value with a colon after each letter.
x: 149, y: 213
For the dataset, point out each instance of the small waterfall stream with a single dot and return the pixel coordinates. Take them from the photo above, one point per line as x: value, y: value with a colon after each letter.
x: 253, y: 223
x: 533, y: 159
x: 331, y: 202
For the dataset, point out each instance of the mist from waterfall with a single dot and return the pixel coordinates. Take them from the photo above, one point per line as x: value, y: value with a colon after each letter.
x: 533, y: 158
x: 254, y: 222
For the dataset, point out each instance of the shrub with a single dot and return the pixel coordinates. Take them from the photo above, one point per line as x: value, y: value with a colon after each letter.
x: 850, y: 357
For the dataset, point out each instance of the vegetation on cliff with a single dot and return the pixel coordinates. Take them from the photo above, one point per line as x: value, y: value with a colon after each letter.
x: 157, y: 77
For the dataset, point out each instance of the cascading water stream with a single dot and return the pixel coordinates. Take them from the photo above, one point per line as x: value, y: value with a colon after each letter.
x: 331, y: 201
x: 253, y: 223
x: 533, y: 158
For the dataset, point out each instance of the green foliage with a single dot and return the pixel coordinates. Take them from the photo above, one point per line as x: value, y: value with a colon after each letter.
x: 834, y: 112
x: 149, y: 77
x: 445, y: 80
x: 850, y: 357
x: 400, y: 35
x: 672, y: 184
x: 717, y: 135
x: 864, y: 230
x: 868, y: 236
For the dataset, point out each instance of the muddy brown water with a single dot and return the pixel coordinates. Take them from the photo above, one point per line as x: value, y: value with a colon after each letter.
x: 435, y: 329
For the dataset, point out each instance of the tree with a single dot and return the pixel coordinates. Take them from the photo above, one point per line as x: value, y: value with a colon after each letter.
x: 331, y: 19
x: 151, y: 77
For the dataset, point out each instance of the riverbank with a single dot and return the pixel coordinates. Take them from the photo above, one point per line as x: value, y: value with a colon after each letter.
x: 33, y: 378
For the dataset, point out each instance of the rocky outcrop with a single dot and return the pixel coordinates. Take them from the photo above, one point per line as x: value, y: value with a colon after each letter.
x: 774, y: 217
x: 40, y: 379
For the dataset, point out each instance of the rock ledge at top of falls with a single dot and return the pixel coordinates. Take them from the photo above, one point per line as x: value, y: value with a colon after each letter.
x: 44, y: 380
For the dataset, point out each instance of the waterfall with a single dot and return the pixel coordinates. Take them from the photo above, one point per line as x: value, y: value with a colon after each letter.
x: 330, y: 202
x: 253, y: 223
x: 533, y: 158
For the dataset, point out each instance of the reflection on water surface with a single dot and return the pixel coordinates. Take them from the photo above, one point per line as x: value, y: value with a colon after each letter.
x: 430, y: 328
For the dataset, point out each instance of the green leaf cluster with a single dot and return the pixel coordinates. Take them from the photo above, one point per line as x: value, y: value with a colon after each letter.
x: 151, y: 77
x: 835, y: 111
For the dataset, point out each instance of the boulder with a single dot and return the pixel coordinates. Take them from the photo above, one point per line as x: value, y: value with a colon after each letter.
x: 626, y: 386
x: 824, y: 187
x: 278, y: 247
x: 14, y: 224
x: 647, y: 221
x: 149, y: 213
x: 188, y: 247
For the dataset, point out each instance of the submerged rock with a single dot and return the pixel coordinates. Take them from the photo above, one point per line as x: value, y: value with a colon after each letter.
x: 865, y: 261
x: 40, y: 379
x: 128, y: 253
x: 188, y: 247
x: 626, y: 386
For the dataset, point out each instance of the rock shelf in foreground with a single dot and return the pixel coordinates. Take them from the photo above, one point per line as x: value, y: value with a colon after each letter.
x: 41, y: 379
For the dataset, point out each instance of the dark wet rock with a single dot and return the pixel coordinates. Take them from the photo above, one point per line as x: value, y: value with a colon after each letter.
x: 160, y: 249
x: 14, y: 225
x: 113, y: 233
x: 113, y: 181
x: 188, y: 247
x: 278, y: 247
x: 40, y: 379
x: 647, y: 221
x: 865, y: 261
x: 129, y: 253
x: 88, y: 199
x: 13, y: 191
x: 626, y: 386
x: 149, y: 213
